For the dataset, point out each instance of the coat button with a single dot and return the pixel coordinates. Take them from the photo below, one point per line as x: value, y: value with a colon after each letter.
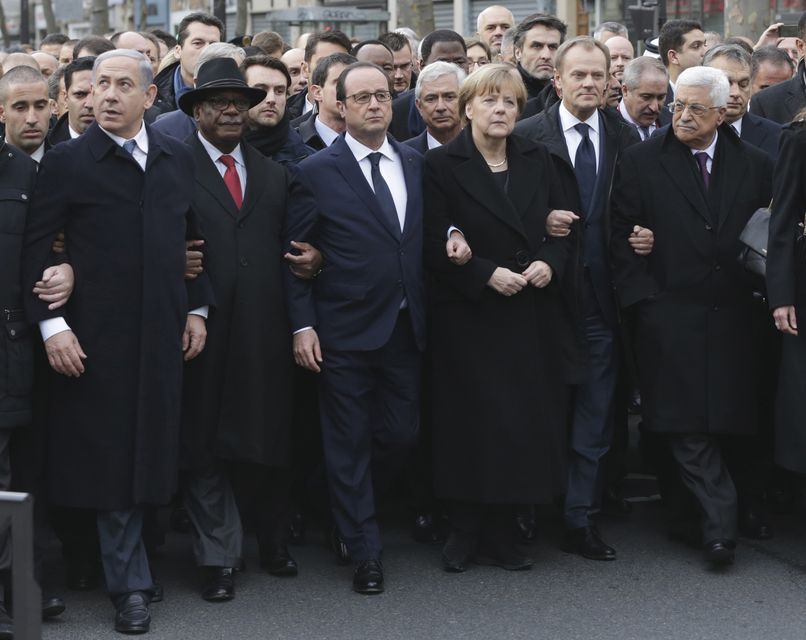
x: 244, y: 262
x: 716, y: 307
x: 241, y: 225
x: 708, y: 227
x: 717, y: 267
x: 24, y: 197
x: 12, y: 332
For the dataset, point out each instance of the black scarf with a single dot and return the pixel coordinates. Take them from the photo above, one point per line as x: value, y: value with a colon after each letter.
x: 533, y: 85
x: 269, y: 140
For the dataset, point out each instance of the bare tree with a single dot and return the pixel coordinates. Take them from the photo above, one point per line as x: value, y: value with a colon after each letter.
x: 416, y: 14
x: 50, y: 17
x: 241, y: 16
x: 100, y: 17
x: 4, y: 27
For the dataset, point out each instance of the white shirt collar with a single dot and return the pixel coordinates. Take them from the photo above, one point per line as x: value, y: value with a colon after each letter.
x: 73, y: 133
x: 37, y: 155
x: 568, y: 120
x: 433, y: 143
x: 215, y: 153
x: 710, y: 150
x: 361, y: 151
x: 141, y: 139
x: 626, y: 114
x: 738, y: 125
x: 327, y: 134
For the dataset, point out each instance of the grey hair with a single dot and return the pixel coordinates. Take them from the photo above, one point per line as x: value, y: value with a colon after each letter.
x: 218, y: 50
x: 486, y: 9
x: 143, y: 64
x: 715, y: 79
x: 613, y: 27
x: 635, y: 70
x: 730, y: 51
x: 437, y: 70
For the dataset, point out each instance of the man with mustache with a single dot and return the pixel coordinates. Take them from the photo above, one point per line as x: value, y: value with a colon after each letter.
x: 644, y: 94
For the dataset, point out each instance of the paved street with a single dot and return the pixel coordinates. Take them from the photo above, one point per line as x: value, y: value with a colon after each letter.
x: 657, y: 589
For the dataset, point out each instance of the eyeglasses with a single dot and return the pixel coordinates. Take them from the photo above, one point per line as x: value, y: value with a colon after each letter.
x: 365, y: 97
x: 219, y: 103
x: 698, y: 110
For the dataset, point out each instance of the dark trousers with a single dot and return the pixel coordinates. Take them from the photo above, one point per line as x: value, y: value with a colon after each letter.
x: 705, y: 474
x: 592, y: 414
x: 211, y: 507
x: 370, y: 404
x: 123, y: 554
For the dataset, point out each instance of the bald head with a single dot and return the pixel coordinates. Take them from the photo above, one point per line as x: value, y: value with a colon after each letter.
x: 47, y: 63
x: 491, y: 24
x: 136, y: 42
x: 19, y: 60
x: 293, y: 59
x: 621, y: 53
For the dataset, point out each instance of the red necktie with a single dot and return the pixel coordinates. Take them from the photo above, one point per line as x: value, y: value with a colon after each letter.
x: 232, y: 180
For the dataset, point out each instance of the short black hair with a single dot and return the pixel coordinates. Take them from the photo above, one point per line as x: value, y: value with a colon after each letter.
x: 333, y: 37
x: 166, y: 37
x: 54, y: 38
x: 538, y: 19
x: 771, y: 54
x: 440, y: 35
x: 270, y: 62
x: 198, y: 16
x: 96, y: 44
x: 319, y: 76
x: 81, y: 64
x: 672, y: 36
x: 341, y: 94
x: 395, y: 41
x: 364, y: 43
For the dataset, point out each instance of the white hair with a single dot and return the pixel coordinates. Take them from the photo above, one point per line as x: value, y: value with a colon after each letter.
x: 715, y: 79
x: 218, y: 50
x: 437, y: 70
x: 143, y: 64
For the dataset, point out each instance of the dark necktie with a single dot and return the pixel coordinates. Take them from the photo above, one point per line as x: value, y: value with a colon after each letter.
x: 382, y: 193
x: 702, y: 160
x: 644, y: 132
x: 585, y: 167
x: 232, y: 180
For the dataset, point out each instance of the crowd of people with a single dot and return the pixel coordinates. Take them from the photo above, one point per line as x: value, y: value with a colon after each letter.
x: 265, y: 286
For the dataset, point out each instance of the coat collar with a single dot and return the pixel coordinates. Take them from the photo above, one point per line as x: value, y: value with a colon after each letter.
x: 101, y: 145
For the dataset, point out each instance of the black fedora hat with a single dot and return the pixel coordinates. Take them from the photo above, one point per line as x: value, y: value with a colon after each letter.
x: 219, y: 74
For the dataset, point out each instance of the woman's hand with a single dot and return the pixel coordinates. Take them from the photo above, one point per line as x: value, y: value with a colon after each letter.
x: 538, y: 274
x: 506, y: 282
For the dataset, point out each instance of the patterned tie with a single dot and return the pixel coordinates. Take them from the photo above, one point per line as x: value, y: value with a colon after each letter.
x: 644, y: 132
x: 585, y: 167
x: 232, y: 180
x: 382, y: 193
x: 129, y: 146
x: 702, y: 160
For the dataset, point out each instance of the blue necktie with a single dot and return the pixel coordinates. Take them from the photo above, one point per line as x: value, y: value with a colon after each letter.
x: 585, y: 167
x: 129, y: 146
x: 382, y: 193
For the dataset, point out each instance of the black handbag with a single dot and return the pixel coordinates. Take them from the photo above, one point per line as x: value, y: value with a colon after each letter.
x: 754, y: 237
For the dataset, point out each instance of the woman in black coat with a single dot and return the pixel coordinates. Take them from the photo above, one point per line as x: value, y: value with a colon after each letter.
x: 786, y: 290
x: 497, y: 396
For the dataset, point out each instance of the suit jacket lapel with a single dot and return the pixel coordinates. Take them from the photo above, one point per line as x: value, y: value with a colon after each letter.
x: 729, y: 167
x: 676, y: 162
x: 254, y: 185
x: 208, y: 177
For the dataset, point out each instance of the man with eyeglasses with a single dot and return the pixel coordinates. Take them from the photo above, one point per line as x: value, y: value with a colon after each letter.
x: 698, y: 325
x: 361, y: 324
x: 404, y: 76
x: 236, y: 405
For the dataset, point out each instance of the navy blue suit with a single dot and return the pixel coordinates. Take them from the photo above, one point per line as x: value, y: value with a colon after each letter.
x: 419, y: 143
x: 369, y: 385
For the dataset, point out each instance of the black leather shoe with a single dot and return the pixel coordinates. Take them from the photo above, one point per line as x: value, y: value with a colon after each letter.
x: 503, y: 555
x: 526, y: 525
x: 6, y: 624
x: 52, y: 606
x: 157, y: 592
x: 587, y: 543
x: 132, y: 613
x: 457, y: 551
x: 754, y: 525
x: 720, y: 552
x: 368, y: 577
x: 296, y: 530
x: 427, y: 530
x: 338, y: 547
x: 82, y: 575
x: 278, y: 562
x: 221, y: 585
x: 614, y: 504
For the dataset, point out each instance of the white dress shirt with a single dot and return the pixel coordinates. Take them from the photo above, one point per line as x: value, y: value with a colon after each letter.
x: 73, y: 133
x: 237, y: 155
x: 626, y: 115
x: 711, y: 150
x: 327, y: 134
x: 50, y: 327
x: 391, y: 167
x: 737, y: 126
x: 307, y: 105
x: 433, y: 143
x: 573, y: 138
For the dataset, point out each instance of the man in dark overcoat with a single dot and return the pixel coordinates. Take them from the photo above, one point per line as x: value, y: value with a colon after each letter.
x: 122, y: 194
x: 697, y: 323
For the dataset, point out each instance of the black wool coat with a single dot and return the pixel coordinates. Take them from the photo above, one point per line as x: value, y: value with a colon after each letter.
x: 498, y: 414
x: 238, y: 391
x: 698, y: 326
x: 114, y: 433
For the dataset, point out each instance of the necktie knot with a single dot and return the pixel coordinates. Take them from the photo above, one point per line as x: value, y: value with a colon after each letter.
x: 227, y: 161
x: 644, y: 132
x: 375, y: 159
x: 582, y: 129
x: 129, y: 146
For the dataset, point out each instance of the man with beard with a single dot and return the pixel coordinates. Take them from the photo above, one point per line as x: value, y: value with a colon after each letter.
x: 537, y: 39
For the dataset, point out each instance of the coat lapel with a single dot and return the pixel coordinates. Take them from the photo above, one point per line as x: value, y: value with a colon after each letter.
x: 254, y: 185
x: 209, y: 179
x: 155, y: 148
x: 730, y: 167
x: 676, y: 163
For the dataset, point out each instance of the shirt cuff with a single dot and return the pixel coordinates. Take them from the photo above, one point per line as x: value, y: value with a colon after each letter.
x: 50, y: 327
x: 301, y: 330
x: 451, y: 229
x: 201, y: 311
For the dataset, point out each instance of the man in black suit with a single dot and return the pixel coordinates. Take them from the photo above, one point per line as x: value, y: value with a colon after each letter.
x: 437, y: 99
x: 116, y: 405
x: 681, y: 45
x: 361, y: 323
x: 319, y: 45
x: 735, y: 63
x: 441, y: 44
x: 585, y: 142
x: 644, y: 95
x: 25, y: 110
x: 78, y: 99
x: 321, y: 127
x: 782, y: 102
x: 537, y: 39
x: 697, y: 322
x: 770, y: 66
